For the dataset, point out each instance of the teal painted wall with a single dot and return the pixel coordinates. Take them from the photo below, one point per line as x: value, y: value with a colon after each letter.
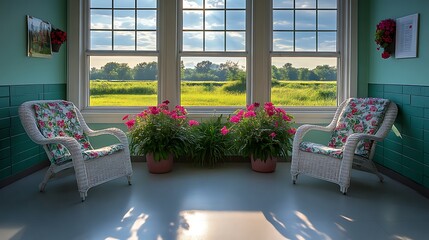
x: 374, y: 69
x: 404, y: 81
x: 16, y: 67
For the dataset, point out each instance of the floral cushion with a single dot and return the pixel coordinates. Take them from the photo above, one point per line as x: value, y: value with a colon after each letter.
x: 94, y: 153
x: 361, y: 115
x: 321, y: 149
x: 56, y: 119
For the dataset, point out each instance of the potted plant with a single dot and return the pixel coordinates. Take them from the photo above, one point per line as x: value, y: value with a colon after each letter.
x: 385, y: 37
x: 263, y: 134
x: 58, y: 37
x: 211, y: 146
x: 159, y: 134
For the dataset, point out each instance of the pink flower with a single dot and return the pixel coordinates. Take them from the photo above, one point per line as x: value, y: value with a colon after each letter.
x: 385, y: 54
x: 250, y: 114
x: 154, y: 110
x: 166, y: 102
x: 291, y: 131
x: 60, y: 123
x: 235, y: 119
x: 358, y: 128
x: 373, y: 108
x: 125, y: 117
x: 86, y: 145
x: 130, y: 123
x: 256, y: 104
x: 193, y: 123
x: 69, y: 115
x: 368, y: 117
x: 240, y: 113
x: 224, y: 130
x: 273, y: 135
x: 286, y: 118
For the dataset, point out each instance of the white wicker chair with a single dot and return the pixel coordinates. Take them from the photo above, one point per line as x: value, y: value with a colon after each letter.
x: 90, y: 172
x: 336, y: 169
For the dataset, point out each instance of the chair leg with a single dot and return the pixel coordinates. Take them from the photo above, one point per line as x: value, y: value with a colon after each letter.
x: 129, y: 180
x: 294, y: 178
x: 343, y: 190
x: 48, y: 175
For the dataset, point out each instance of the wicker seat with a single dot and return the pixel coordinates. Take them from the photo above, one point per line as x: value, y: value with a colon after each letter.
x: 60, y: 128
x: 357, y: 125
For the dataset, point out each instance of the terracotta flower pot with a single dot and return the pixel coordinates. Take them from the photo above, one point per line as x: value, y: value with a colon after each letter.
x: 162, y: 166
x: 267, y: 166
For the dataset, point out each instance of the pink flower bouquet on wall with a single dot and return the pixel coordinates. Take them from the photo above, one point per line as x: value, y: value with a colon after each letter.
x: 385, y: 37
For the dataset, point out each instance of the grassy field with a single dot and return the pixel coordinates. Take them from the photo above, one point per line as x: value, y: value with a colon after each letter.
x: 210, y: 93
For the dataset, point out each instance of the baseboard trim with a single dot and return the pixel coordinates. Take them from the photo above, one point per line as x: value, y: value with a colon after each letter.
x: 26, y: 172
x: 404, y: 180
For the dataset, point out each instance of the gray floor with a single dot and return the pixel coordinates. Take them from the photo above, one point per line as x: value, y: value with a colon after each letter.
x: 229, y: 202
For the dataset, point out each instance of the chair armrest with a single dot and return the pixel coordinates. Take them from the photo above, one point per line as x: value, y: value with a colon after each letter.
x: 353, y: 140
x: 118, y: 133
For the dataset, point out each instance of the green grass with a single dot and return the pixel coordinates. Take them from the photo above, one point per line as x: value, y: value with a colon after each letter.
x: 211, y: 93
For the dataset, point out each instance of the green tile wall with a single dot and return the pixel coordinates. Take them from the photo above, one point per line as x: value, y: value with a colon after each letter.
x: 407, y: 154
x: 17, y: 152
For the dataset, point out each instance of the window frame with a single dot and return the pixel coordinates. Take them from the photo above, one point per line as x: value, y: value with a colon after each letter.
x: 203, y: 111
x: 258, y: 64
x: 294, y: 54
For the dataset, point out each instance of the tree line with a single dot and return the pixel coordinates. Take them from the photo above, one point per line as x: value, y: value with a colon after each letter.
x: 209, y: 71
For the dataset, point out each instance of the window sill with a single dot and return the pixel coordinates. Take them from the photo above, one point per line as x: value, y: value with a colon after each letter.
x: 301, y: 116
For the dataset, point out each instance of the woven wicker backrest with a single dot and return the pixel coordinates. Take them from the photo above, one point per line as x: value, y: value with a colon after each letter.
x: 56, y: 119
x: 360, y: 115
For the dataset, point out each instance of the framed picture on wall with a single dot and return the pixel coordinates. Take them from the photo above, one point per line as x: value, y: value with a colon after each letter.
x: 39, y: 38
x: 406, y: 36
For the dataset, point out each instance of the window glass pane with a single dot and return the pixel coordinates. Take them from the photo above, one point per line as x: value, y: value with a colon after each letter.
x: 146, y: 40
x: 283, y: 20
x: 305, y: 20
x: 213, y: 81
x: 192, y: 3
x: 236, y: 4
x: 124, y: 40
x: 146, y: 19
x: 283, y: 41
x: 101, y: 4
x: 101, y: 19
x: 101, y: 40
x: 300, y: 81
x: 305, y: 41
x: 305, y: 3
x: 282, y: 3
x: 215, y: 20
x: 146, y: 3
x: 327, y: 20
x: 193, y: 20
x: 327, y: 3
x: 215, y: 3
x: 123, y: 3
x: 235, y: 41
x: 124, y: 19
x: 327, y: 42
x: 123, y: 81
x: 214, y: 41
x: 235, y: 20
x: 192, y: 41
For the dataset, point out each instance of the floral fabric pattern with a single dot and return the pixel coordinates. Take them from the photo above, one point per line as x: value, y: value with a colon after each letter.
x: 94, y: 153
x: 321, y: 149
x: 361, y: 115
x: 56, y: 119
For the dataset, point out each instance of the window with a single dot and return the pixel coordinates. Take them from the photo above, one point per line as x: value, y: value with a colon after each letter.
x: 122, y: 53
x: 213, y: 52
x: 305, y: 52
x: 211, y: 55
